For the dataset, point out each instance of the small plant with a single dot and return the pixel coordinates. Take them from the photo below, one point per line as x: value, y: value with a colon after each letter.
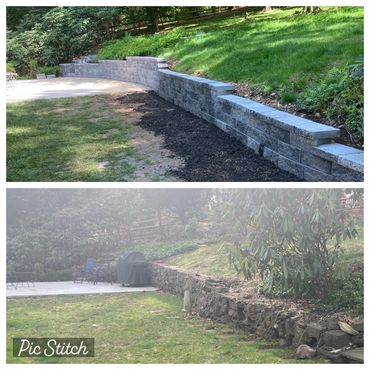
x: 339, y: 95
x: 347, y: 293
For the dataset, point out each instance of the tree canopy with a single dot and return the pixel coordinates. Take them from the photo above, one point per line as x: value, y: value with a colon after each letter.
x: 47, y: 36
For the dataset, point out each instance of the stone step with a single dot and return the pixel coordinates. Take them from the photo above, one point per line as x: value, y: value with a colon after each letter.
x: 356, y: 355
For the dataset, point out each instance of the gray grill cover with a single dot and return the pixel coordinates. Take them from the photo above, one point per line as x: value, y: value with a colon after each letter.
x: 133, y: 270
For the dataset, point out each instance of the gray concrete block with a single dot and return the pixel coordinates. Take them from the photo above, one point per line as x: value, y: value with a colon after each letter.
x: 263, y: 138
x: 341, y: 173
x: 291, y: 166
x: 271, y: 155
x: 310, y: 174
x: 287, y: 121
x: 289, y: 151
x: 254, y: 145
x: 316, y: 162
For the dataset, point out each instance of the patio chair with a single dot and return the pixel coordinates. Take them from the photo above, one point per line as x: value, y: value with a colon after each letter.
x: 85, y: 274
x: 20, y: 278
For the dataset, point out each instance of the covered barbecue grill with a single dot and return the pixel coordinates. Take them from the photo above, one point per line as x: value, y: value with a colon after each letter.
x: 133, y: 269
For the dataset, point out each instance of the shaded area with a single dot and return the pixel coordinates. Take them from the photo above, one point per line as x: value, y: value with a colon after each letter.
x: 209, y: 153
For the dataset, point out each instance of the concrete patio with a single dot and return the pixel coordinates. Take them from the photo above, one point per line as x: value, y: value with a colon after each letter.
x: 21, y: 90
x: 69, y: 288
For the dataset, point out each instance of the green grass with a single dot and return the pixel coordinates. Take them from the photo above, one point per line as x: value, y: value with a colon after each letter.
x: 209, y: 260
x: 65, y: 140
x: 135, y: 328
x: 277, y: 50
x: 159, y: 250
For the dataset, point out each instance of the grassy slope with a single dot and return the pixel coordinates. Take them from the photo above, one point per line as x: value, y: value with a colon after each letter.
x: 65, y: 140
x: 210, y: 260
x: 164, y: 249
x: 274, y: 50
x: 135, y: 328
x: 213, y: 259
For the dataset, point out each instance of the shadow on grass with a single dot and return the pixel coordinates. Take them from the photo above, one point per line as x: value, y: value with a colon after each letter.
x: 64, y: 140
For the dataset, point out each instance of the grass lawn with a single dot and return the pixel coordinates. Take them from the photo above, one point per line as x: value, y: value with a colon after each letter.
x: 276, y: 50
x: 135, y: 328
x: 67, y: 139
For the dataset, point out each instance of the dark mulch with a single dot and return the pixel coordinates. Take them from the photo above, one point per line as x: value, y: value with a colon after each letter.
x: 209, y: 153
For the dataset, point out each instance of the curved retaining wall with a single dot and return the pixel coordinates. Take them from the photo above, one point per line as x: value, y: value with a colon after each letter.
x: 219, y: 301
x: 297, y: 145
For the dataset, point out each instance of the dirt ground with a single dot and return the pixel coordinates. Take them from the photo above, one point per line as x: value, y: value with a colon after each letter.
x: 202, y: 151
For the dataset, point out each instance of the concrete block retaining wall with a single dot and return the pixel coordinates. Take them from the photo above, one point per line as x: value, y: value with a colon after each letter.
x: 297, y: 145
x: 218, y: 299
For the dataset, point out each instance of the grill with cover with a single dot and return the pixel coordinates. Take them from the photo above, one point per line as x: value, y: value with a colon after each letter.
x: 133, y: 269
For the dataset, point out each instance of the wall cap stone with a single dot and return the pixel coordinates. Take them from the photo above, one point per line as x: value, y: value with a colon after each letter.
x: 287, y: 121
x: 215, y: 85
x: 344, y: 155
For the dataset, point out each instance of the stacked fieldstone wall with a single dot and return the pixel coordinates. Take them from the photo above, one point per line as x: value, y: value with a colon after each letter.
x: 218, y: 299
x: 297, y: 145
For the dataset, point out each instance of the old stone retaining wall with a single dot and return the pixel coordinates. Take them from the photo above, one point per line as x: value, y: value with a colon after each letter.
x: 297, y: 145
x: 219, y: 300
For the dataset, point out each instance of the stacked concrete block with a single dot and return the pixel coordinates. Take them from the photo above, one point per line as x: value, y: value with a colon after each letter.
x: 297, y: 145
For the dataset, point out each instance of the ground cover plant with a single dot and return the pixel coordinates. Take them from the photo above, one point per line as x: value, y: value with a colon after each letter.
x: 294, y: 57
x: 136, y: 328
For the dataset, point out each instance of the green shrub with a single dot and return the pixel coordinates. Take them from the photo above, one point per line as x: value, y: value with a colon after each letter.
x: 292, y: 240
x: 10, y: 67
x: 52, y: 70
x: 339, y: 95
x: 347, y: 293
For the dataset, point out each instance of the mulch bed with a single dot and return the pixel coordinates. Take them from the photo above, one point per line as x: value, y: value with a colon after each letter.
x: 209, y: 153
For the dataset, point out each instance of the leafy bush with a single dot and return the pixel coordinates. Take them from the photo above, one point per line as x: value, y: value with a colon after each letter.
x: 52, y: 70
x: 339, y: 95
x: 291, y: 239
